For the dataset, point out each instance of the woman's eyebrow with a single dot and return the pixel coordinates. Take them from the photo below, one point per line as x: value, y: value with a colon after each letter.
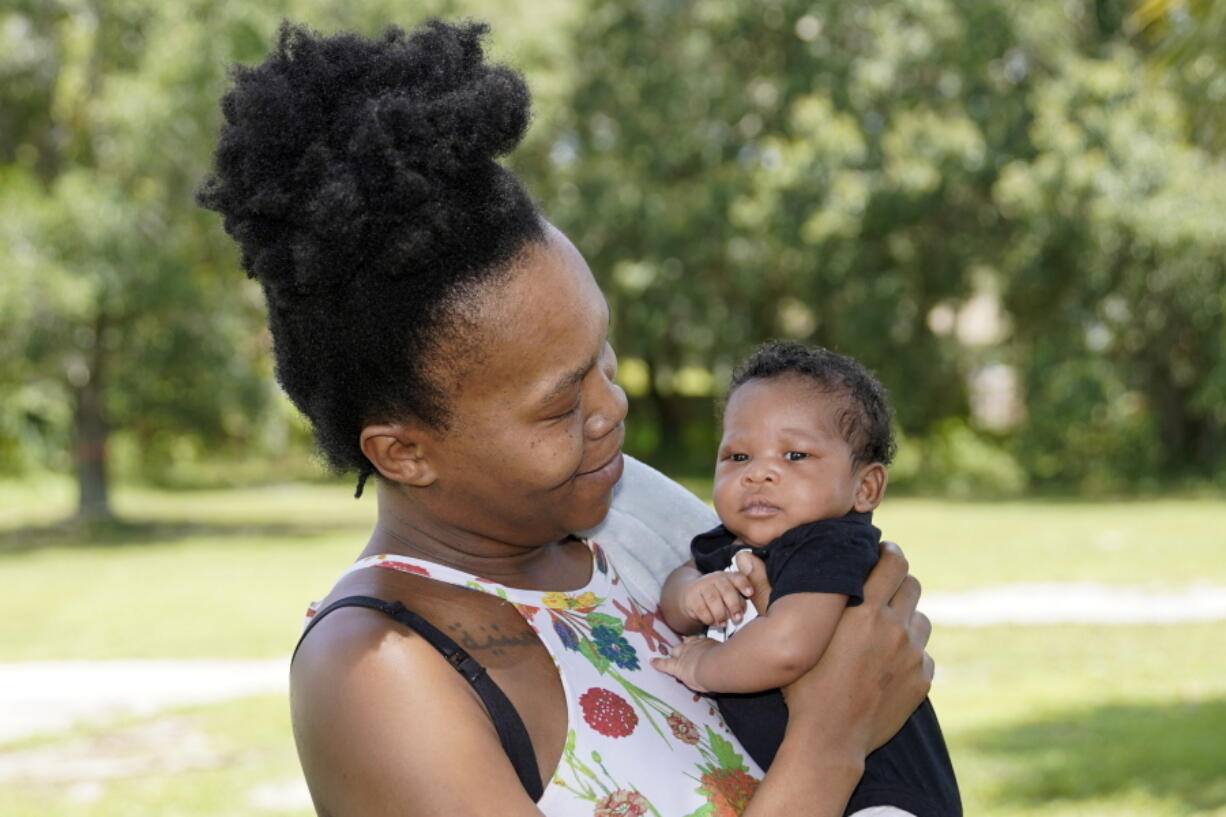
x: 568, y: 381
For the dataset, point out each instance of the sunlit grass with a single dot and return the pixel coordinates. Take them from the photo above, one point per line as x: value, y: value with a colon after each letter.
x: 1059, y: 721
x: 1040, y: 720
x: 220, y: 574
x: 1085, y: 720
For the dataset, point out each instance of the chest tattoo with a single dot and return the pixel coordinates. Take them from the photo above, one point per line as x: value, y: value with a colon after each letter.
x: 489, y: 638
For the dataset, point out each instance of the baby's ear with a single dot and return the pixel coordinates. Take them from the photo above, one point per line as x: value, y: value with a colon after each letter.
x: 870, y: 486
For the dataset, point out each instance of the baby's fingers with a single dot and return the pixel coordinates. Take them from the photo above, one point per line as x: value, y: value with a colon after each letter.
x: 666, y: 665
x: 731, y: 599
x: 716, y: 596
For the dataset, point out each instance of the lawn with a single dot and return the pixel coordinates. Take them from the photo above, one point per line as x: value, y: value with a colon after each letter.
x: 1054, y: 720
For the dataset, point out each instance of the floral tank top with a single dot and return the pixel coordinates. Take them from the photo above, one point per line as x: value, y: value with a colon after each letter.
x: 638, y: 742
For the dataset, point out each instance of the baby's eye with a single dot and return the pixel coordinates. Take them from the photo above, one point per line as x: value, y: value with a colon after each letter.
x: 795, y: 456
x: 739, y: 457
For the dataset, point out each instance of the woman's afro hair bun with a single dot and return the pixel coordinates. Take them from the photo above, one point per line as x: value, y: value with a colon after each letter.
x: 358, y: 177
x: 338, y: 148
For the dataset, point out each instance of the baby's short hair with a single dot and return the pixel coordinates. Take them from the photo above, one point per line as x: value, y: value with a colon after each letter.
x: 864, y: 419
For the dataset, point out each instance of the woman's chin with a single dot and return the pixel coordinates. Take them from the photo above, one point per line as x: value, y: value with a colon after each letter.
x: 593, y: 513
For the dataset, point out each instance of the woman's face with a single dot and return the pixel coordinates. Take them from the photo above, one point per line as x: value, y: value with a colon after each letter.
x: 533, y: 446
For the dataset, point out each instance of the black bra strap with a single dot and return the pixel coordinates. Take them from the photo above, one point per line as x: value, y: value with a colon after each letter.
x: 511, y: 731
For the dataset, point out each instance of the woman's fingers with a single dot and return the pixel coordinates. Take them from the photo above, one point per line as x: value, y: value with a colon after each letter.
x: 886, y: 576
x: 906, y: 597
x: 921, y: 629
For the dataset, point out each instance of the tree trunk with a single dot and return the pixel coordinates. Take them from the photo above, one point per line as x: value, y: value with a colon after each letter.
x: 670, y: 421
x: 90, y: 426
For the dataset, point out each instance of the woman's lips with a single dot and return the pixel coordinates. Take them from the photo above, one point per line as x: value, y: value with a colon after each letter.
x: 608, y: 473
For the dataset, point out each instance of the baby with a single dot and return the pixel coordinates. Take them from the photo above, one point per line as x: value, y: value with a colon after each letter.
x: 801, y: 467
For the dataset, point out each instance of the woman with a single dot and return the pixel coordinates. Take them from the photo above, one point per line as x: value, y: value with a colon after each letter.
x: 440, y: 335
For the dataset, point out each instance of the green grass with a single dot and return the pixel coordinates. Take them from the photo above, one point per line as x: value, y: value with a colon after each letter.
x: 1056, y: 721
x: 1063, y: 721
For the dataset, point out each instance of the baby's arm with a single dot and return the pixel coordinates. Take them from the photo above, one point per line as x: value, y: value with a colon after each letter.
x: 691, y: 601
x: 771, y: 651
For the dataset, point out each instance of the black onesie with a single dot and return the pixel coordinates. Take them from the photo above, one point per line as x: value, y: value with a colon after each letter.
x: 912, y: 771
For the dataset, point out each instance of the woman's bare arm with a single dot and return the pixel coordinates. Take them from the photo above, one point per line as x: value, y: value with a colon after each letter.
x: 387, y: 728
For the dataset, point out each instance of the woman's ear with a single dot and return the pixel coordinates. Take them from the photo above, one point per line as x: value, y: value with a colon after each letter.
x: 870, y: 486
x: 400, y: 452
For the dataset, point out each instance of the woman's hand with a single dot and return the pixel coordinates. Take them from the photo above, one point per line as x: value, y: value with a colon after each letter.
x: 875, y: 672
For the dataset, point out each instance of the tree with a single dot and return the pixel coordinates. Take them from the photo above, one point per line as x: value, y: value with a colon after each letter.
x: 122, y: 304
x: 818, y: 171
x: 120, y: 300
x: 1118, y: 279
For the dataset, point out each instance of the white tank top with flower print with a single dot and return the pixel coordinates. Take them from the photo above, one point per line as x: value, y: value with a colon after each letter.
x: 638, y: 741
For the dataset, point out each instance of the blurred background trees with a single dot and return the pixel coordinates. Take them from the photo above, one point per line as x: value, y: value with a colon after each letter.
x: 1012, y: 212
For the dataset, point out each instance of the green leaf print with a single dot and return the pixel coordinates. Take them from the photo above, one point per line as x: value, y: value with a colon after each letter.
x: 604, y: 620
x: 589, y: 652
x: 725, y: 753
x: 706, y: 809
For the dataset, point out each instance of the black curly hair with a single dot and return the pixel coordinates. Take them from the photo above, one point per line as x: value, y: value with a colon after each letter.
x: 863, y: 420
x: 358, y: 177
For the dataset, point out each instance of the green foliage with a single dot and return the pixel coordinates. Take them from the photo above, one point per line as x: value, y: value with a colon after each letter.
x: 843, y: 173
x: 1118, y: 284
x: 113, y: 279
x: 954, y: 460
x: 855, y: 175
x: 737, y: 172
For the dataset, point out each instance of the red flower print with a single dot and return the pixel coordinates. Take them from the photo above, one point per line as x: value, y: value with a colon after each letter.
x: 683, y: 728
x: 728, y: 791
x: 622, y: 803
x: 644, y: 623
x: 404, y: 568
x: 608, y: 713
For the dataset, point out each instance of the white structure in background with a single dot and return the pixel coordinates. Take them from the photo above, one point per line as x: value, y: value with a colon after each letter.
x: 995, y: 392
x: 1074, y: 603
x: 49, y: 696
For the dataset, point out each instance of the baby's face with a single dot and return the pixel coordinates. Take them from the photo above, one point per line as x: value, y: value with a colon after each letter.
x: 782, y: 461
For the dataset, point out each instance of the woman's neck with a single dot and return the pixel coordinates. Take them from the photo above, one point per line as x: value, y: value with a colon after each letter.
x: 405, y: 528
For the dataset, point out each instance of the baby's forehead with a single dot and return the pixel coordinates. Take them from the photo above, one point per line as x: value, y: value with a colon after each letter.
x: 793, y: 388
x: 787, y: 393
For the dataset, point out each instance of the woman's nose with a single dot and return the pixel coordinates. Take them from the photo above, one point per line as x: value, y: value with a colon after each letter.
x: 609, y: 409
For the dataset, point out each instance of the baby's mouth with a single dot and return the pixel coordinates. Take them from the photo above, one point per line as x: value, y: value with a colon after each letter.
x: 759, y: 508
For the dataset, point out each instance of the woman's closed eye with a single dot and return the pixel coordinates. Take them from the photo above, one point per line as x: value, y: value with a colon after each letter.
x: 568, y: 413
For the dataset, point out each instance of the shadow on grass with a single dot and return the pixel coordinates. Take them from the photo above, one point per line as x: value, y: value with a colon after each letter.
x: 117, y: 532
x: 1171, y: 751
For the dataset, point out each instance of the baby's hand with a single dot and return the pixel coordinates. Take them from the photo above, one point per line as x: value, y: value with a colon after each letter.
x: 717, y: 597
x: 683, y: 659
